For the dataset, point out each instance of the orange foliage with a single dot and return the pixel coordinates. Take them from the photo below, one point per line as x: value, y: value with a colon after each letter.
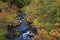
x: 44, y: 35
x: 55, y: 33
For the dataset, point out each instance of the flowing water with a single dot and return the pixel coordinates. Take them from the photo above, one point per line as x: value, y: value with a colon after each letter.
x: 22, y: 28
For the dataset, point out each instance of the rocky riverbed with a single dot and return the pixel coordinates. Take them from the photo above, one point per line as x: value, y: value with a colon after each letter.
x: 22, y: 32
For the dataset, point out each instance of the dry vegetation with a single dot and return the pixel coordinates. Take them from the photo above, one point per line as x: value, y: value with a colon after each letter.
x: 45, y: 15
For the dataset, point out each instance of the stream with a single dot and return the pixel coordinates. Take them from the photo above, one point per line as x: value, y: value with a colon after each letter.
x: 27, y: 32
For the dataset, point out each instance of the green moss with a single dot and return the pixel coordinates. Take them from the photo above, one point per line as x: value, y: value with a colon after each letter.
x: 2, y: 5
x: 48, y: 26
x: 2, y: 33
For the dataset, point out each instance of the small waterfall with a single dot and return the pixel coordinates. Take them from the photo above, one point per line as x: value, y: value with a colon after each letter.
x: 22, y: 29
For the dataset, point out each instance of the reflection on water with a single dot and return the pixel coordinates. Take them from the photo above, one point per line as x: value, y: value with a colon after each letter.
x: 22, y: 28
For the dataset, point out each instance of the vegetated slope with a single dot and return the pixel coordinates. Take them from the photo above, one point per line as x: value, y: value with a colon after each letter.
x: 45, y: 15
